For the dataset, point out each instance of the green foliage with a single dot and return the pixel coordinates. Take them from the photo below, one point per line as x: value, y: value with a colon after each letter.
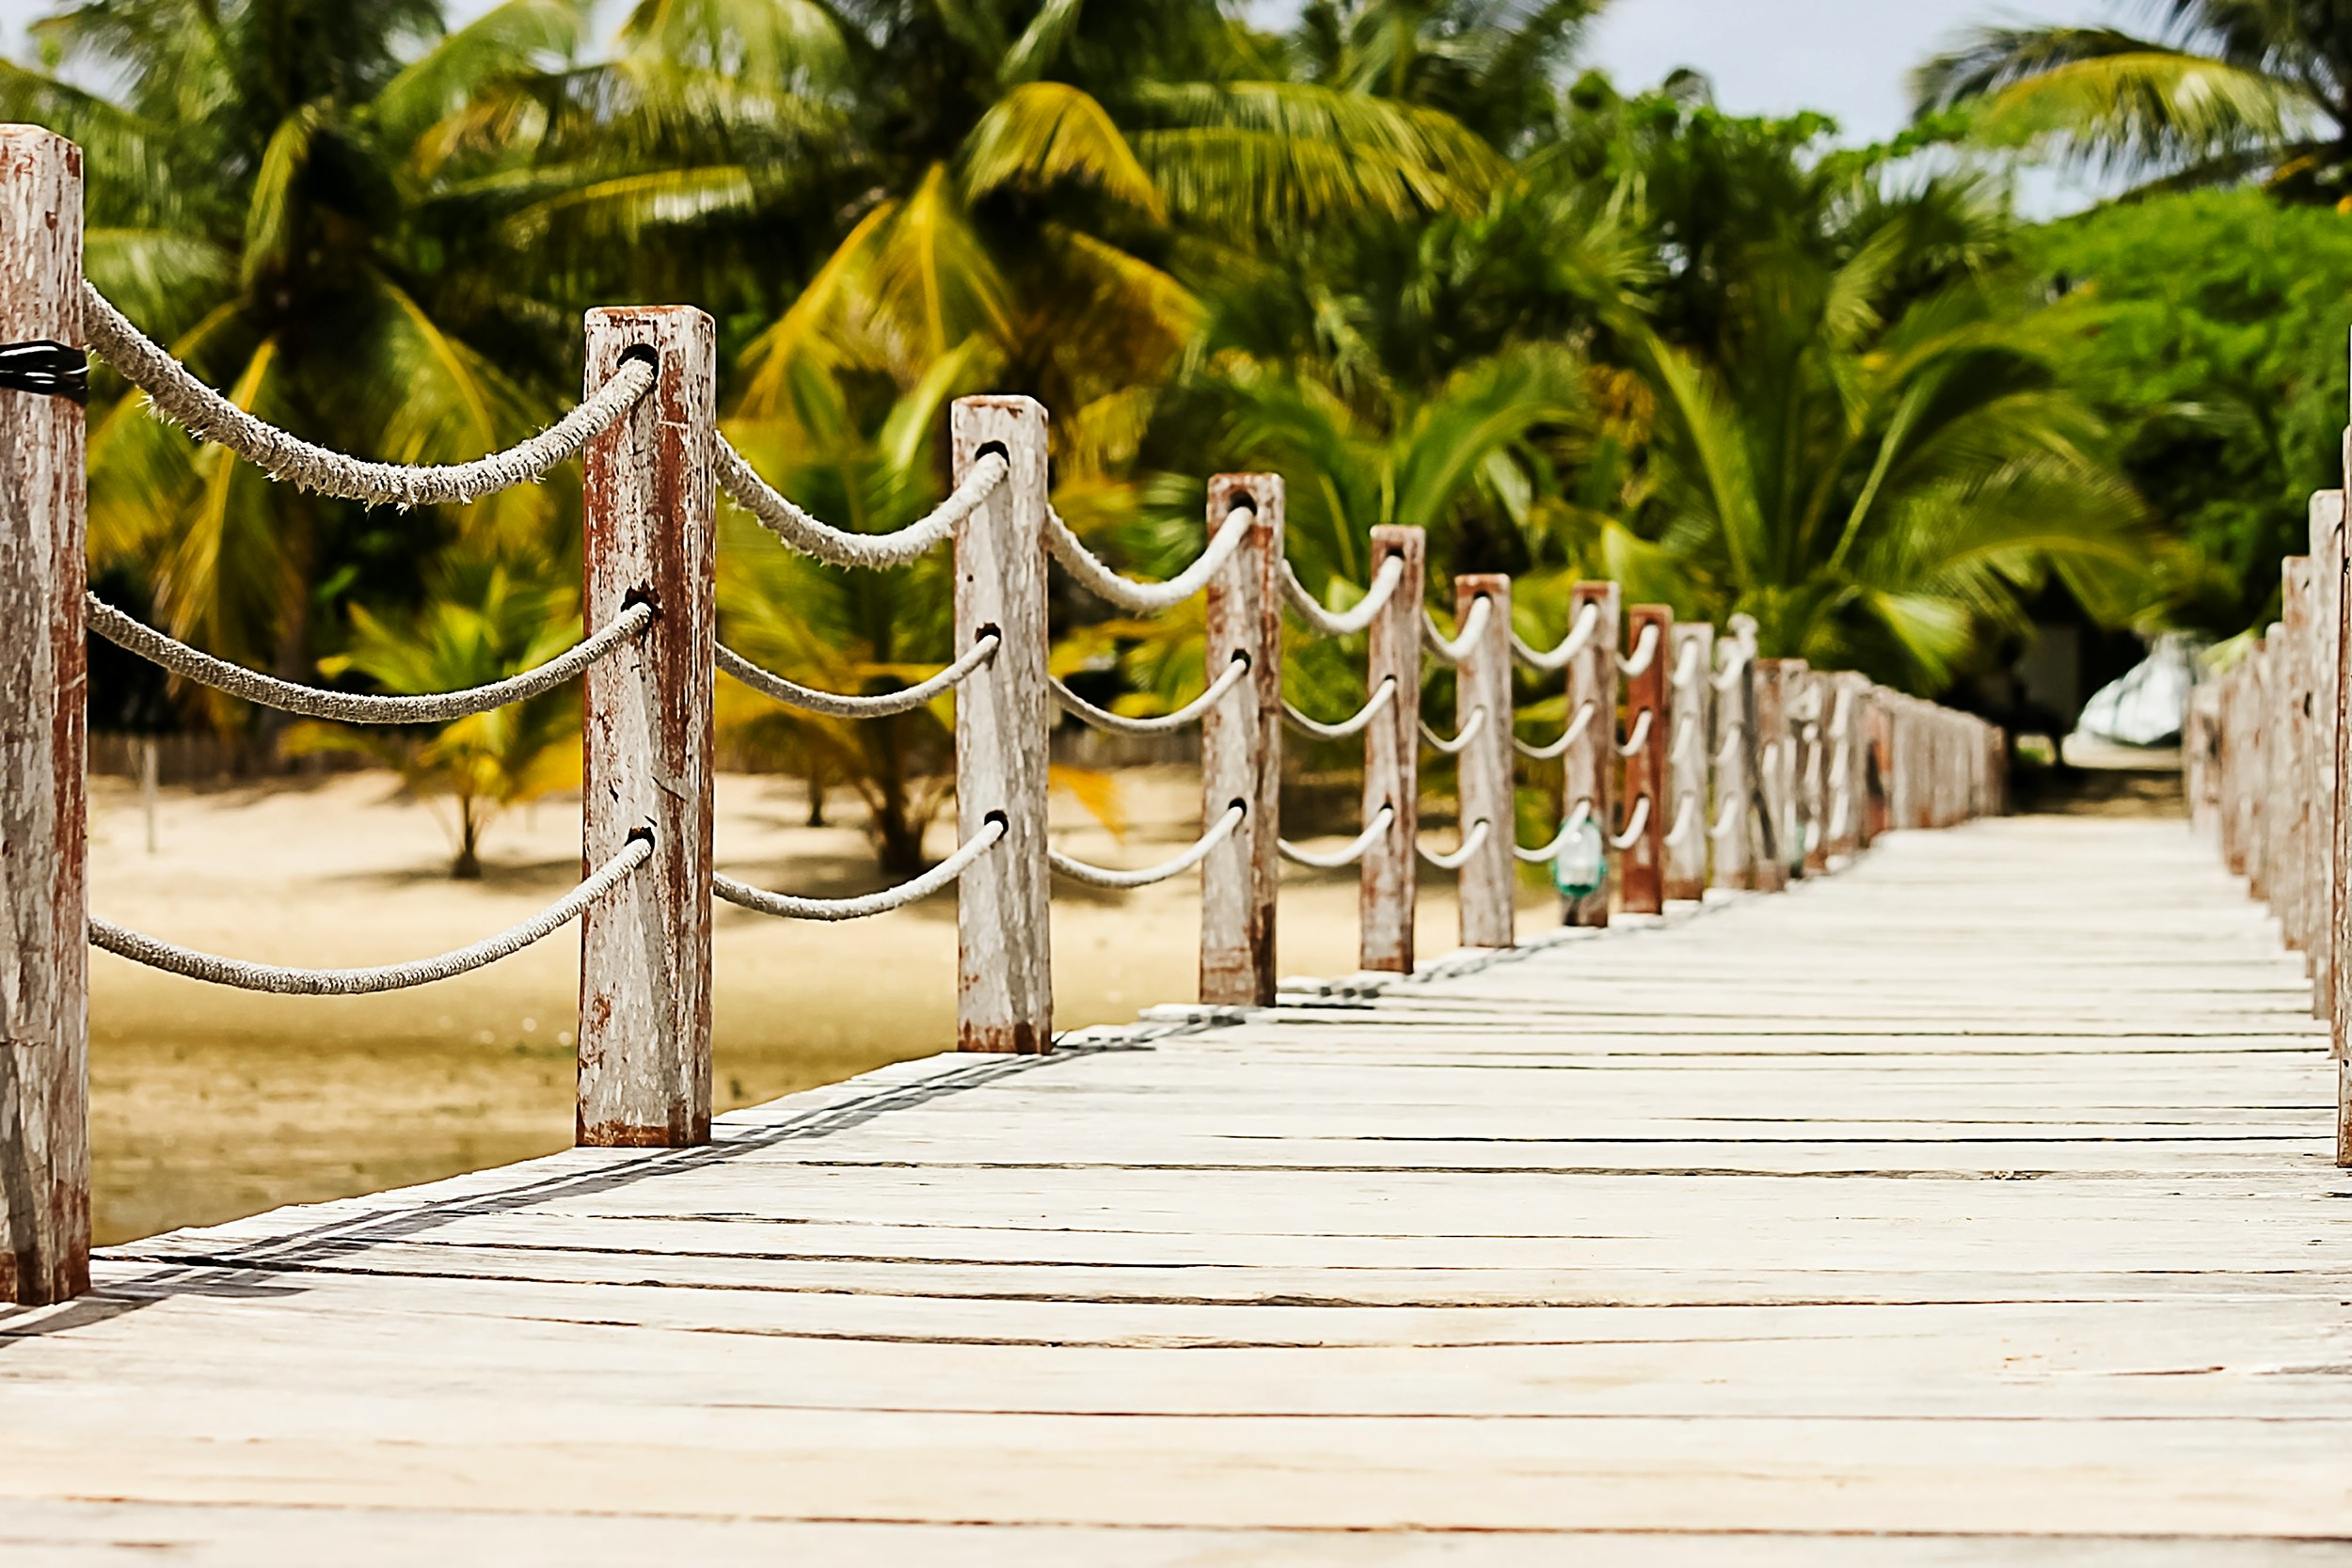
x: 2213, y: 333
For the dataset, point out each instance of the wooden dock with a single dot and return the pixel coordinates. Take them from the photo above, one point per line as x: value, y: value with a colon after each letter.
x: 1974, y: 1205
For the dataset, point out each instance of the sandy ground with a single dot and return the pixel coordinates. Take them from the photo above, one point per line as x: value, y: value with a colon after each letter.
x: 208, y: 1105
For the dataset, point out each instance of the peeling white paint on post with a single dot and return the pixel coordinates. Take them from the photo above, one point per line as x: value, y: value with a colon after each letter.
x: 645, y: 964
x: 1588, y: 772
x: 1488, y: 879
x: 1692, y: 700
x: 1005, y: 985
x: 1734, y: 753
x: 44, y: 956
x: 1388, y: 885
x: 1241, y: 749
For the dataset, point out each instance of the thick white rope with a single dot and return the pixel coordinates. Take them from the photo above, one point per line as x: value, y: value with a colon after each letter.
x: 1579, y: 637
x: 1345, y: 623
x: 1639, y: 738
x: 834, y: 704
x: 1569, y: 829
x: 1735, y: 666
x: 1352, y: 724
x: 1726, y: 817
x: 1569, y: 737
x: 1338, y: 860
x: 789, y: 906
x: 177, y: 395
x: 1119, y: 724
x: 1466, y: 635
x: 1635, y: 826
x: 1462, y: 739
x: 1456, y: 859
x: 1686, y: 732
x: 1098, y: 578
x: 1686, y: 818
x: 1103, y: 875
x: 219, y: 971
x: 1734, y: 733
x: 1686, y: 666
x: 354, y: 707
x: 1644, y: 654
x: 838, y: 546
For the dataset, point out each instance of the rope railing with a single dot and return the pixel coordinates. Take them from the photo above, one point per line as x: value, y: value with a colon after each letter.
x: 1646, y: 650
x: 1356, y: 849
x: 786, y: 906
x: 1110, y: 876
x: 1550, y: 750
x: 1553, y: 660
x: 1635, y: 826
x: 1455, y: 858
x: 1236, y: 671
x: 835, y: 705
x: 837, y: 546
x: 1461, y: 738
x: 281, y: 981
x: 1352, y: 724
x: 356, y: 707
x: 1639, y: 737
x: 1569, y: 828
x: 1344, y: 623
x: 175, y: 394
x: 1686, y: 818
x: 1452, y: 651
x: 1096, y: 576
x: 1735, y: 668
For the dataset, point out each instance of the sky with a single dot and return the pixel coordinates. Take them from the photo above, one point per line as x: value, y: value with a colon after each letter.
x: 1849, y: 58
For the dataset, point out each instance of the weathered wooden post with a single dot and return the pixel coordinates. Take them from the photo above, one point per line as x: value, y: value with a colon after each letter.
x: 1730, y: 831
x: 1590, y: 764
x: 2269, y: 683
x: 1691, y: 698
x: 2292, y: 759
x: 1488, y: 884
x: 2326, y: 881
x: 1845, y: 778
x: 1389, y: 886
x: 1808, y: 786
x: 1241, y: 749
x: 1004, y: 980
x: 2237, y: 756
x: 44, y: 911
x: 645, y: 951
x: 1649, y: 717
x: 1770, y: 873
x: 1878, y: 815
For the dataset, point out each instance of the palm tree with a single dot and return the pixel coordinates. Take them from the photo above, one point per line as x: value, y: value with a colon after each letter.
x: 2223, y: 90
x: 256, y: 199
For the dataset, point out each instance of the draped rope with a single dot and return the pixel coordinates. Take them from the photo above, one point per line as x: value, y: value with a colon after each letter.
x: 1639, y: 737
x: 219, y: 971
x: 1108, y: 877
x: 354, y: 707
x: 1734, y: 667
x: 1338, y: 860
x: 791, y: 906
x: 1453, y: 859
x: 1635, y: 826
x: 1144, y: 597
x: 1557, y: 659
x: 1573, y: 825
x: 1462, y: 739
x: 1644, y: 652
x: 1686, y: 817
x: 838, y: 546
x: 1119, y: 724
x: 1352, y: 724
x: 1344, y: 623
x: 1466, y: 635
x: 1569, y: 737
x: 175, y: 394
x: 834, y: 704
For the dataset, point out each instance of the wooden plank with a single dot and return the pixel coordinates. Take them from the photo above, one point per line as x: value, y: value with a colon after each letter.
x: 1390, y: 878
x: 44, y: 987
x: 1004, y: 976
x: 1241, y: 750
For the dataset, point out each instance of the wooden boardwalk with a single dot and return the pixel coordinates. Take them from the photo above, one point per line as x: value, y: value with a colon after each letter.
x: 1985, y: 1190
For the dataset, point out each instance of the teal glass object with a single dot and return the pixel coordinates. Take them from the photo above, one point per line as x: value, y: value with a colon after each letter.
x: 1582, y: 866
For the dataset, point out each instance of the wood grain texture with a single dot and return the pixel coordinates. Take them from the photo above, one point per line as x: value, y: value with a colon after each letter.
x: 1589, y: 770
x: 1489, y: 886
x: 644, y: 967
x: 2325, y: 518
x: 1387, y: 882
x: 1003, y: 977
x: 1733, y: 847
x: 1773, y: 756
x: 44, y: 994
x: 1668, y: 1244
x: 1689, y: 775
x: 1241, y: 750
x: 1642, y: 865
